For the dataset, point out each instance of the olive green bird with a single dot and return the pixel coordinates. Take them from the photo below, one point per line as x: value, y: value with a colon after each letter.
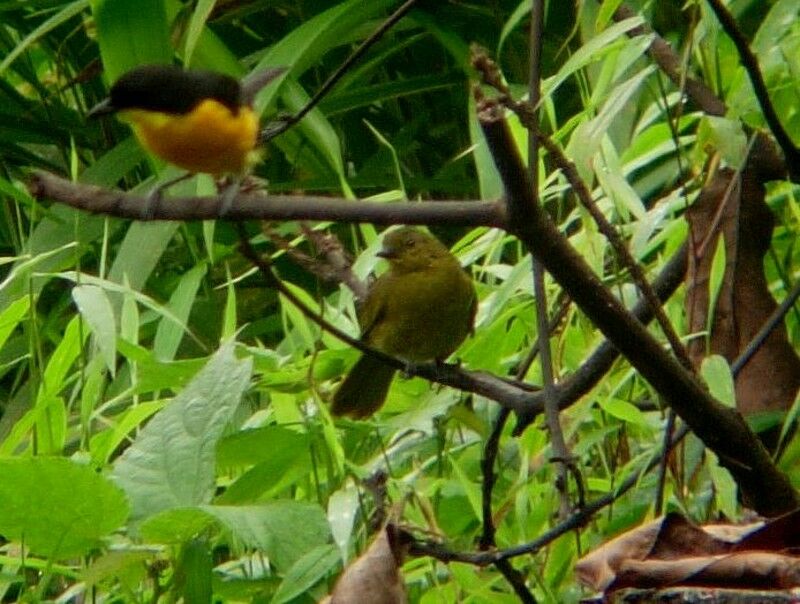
x: 421, y: 309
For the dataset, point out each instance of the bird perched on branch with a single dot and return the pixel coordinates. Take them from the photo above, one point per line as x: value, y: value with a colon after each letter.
x: 421, y: 309
x: 201, y: 121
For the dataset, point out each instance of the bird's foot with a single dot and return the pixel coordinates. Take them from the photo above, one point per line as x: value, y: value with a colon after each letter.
x: 227, y: 195
x: 153, y: 198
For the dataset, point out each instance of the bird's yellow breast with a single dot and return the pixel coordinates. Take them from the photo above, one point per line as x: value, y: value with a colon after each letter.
x: 210, y: 138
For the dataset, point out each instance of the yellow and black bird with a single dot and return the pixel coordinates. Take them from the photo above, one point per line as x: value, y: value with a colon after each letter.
x: 421, y: 309
x: 201, y: 121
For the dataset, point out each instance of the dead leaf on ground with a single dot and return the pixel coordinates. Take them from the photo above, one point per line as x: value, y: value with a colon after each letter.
x: 672, y: 552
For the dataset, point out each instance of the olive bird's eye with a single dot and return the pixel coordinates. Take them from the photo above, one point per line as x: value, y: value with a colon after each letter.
x: 410, y: 242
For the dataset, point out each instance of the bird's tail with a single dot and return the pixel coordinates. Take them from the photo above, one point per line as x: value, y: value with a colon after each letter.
x: 364, y: 389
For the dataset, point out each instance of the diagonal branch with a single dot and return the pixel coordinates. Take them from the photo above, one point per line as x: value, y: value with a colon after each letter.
x: 722, y: 429
x: 750, y: 62
x: 670, y: 63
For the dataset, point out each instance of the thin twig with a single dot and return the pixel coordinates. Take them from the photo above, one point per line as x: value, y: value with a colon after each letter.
x: 663, y: 462
x: 750, y: 63
x: 281, y: 125
x: 555, y: 321
x: 766, y: 329
x: 671, y: 65
x: 561, y: 455
x: 576, y: 520
x: 490, y: 450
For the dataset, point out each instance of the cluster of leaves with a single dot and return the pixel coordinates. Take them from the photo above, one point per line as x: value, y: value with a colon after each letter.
x: 135, y: 460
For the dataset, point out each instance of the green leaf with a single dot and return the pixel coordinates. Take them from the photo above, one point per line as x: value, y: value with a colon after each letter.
x: 716, y: 280
x: 622, y: 410
x: 103, y: 444
x: 12, y: 316
x: 726, y: 136
x: 717, y: 374
x: 307, y: 572
x: 68, y: 12
x: 257, y: 445
x: 343, y: 506
x: 194, y: 572
x: 131, y: 34
x: 197, y: 23
x: 177, y: 525
x: 58, y: 508
x: 142, y: 247
x: 169, y: 333
x: 95, y: 308
x: 284, y: 530
x: 171, y: 463
x: 281, y: 458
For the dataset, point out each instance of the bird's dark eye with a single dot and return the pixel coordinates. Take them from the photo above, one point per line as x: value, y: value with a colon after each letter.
x: 410, y: 242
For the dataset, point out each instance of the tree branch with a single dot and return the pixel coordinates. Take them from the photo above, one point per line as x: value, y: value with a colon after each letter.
x: 577, y: 520
x: 670, y: 63
x: 750, y: 62
x: 263, y: 206
x: 722, y: 429
x: 589, y: 374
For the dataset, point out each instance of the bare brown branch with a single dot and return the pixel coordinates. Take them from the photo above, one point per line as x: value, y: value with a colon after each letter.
x: 263, y: 206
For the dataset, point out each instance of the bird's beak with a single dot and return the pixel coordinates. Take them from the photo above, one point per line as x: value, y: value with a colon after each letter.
x: 387, y: 253
x: 104, y: 107
x: 252, y: 84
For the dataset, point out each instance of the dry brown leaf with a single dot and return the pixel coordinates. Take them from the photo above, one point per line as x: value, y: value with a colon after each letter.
x: 673, y: 552
x: 733, y: 206
x: 670, y: 537
x: 374, y: 578
x: 746, y: 570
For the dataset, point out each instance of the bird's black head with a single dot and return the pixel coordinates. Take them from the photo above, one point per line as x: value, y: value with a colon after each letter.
x: 169, y: 89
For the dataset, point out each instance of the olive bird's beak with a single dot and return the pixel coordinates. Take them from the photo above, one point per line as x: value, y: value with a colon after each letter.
x: 387, y: 253
x: 104, y: 107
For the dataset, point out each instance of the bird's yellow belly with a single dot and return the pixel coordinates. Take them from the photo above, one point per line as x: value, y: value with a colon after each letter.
x: 428, y: 316
x: 209, y: 139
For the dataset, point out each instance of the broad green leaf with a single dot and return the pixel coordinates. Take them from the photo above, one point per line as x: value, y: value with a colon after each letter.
x: 249, y: 447
x: 281, y: 460
x: 622, y: 410
x: 194, y: 571
x: 726, y: 136
x: 131, y: 34
x: 177, y: 525
x: 116, y: 564
x: 717, y: 374
x: 593, y: 50
x: 140, y: 251
x: 103, y: 444
x: 307, y: 572
x: 343, y: 506
x: 95, y: 308
x: 284, y: 530
x: 58, y: 508
x: 725, y: 489
x: 171, y: 463
x: 229, y: 315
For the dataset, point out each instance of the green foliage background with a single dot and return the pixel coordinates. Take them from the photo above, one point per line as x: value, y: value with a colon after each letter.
x: 142, y: 457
